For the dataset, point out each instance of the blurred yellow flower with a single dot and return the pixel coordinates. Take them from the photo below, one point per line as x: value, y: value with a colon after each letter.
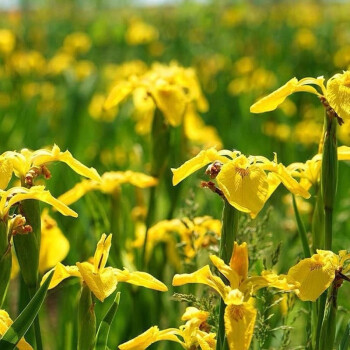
x: 101, y: 280
x: 170, y: 88
x: 240, y: 314
x: 97, y: 110
x: 110, y: 183
x: 193, y: 334
x: 76, y: 43
x: 242, y: 180
x: 140, y: 32
x: 54, y: 246
x: 314, y: 275
x: 305, y: 39
x: 59, y: 63
x: 5, y: 323
x: 7, y: 41
x: 337, y: 93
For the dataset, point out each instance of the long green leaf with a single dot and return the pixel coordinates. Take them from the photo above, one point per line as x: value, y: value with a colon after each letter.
x: 105, y: 325
x: 345, y: 341
x: 22, y: 323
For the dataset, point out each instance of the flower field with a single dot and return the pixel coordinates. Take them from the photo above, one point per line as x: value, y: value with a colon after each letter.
x: 175, y: 176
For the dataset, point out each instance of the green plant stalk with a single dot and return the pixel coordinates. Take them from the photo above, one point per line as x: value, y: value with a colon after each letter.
x: 160, y: 145
x: 105, y: 325
x: 301, y: 230
x: 318, y: 222
x: 329, y: 319
x: 329, y: 176
x: 27, y: 250
x: 5, y: 261
x: 86, y: 320
x: 230, y: 219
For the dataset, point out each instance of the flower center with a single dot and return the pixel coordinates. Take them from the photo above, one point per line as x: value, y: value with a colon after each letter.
x: 242, y: 172
x: 237, y: 312
x: 316, y: 266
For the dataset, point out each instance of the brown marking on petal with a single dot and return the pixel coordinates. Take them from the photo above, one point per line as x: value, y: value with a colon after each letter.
x: 316, y: 266
x: 242, y: 172
x: 236, y: 312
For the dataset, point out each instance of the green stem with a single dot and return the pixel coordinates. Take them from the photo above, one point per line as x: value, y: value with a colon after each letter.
x: 230, y: 219
x: 301, y: 230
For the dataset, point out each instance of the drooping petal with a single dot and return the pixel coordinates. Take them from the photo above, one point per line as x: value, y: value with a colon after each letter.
x: 6, y: 169
x: 142, y: 279
x: 78, y: 191
x: 239, y: 261
x: 152, y: 335
x: 272, y: 101
x: 192, y: 312
x: 120, y: 91
x: 171, y: 100
x: 42, y: 157
x: 61, y: 273
x: 244, y: 186
x: 199, y: 161
x: 103, y: 283
x: 202, y: 276
x: 239, y: 325
x: 54, y: 246
x: 35, y: 192
x: 314, y: 275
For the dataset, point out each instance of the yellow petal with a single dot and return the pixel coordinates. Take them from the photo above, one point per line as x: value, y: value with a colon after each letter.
x: 272, y: 101
x: 239, y: 260
x: 103, y: 283
x: 118, y: 94
x: 338, y: 94
x: 54, y: 246
x: 41, y: 157
x: 6, y: 169
x: 102, y: 252
x: 171, y: 100
x: 244, y: 186
x: 314, y: 275
x: 202, y: 276
x: 226, y: 270
x: 199, y: 161
x: 5, y: 323
x: 36, y: 192
x: 78, y: 191
x: 239, y: 325
x: 142, y: 279
x: 61, y: 273
x: 152, y: 335
x: 343, y: 153
x: 192, y: 312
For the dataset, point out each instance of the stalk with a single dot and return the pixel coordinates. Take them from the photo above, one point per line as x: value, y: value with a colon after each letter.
x: 301, y: 230
x: 86, y: 320
x: 5, y: 261
x: 160, y: 143
x: 230, y: 218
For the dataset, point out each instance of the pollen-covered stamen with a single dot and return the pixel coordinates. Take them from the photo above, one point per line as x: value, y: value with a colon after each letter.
x: 242, y: 172
x: 214, y: 169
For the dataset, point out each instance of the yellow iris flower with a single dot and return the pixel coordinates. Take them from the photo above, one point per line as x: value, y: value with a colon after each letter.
x: 309, y: 172
x: 110, y: 183
x: 242, y: 180
x: 5, y: 323
x: 314, y: 275
x: 240, y: 314
x: 101, y: 280
x: 26, y: 163
x: 337, y: 93
x: 193, y: 334
x: 170, y: 88
x: 16, y: 194
x: 193, y: 234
